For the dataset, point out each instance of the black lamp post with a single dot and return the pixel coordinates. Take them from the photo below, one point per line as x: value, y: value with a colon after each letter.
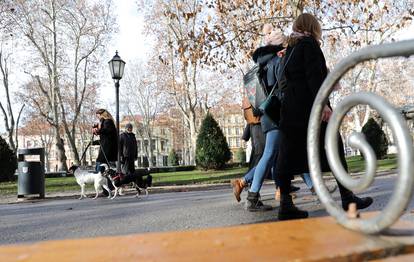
x: 116, y: 65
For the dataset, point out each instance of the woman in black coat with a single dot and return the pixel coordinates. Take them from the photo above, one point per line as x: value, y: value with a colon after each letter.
x: 305, y: 73
x: 108, y: 138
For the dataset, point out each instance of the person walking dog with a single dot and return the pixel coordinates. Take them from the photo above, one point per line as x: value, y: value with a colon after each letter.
x: 108, y: 146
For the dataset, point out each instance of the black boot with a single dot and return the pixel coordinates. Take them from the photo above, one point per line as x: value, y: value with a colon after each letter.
x: 348, y: 197
x: 254, y: 204
x: 288, y: 210
x: 361, y: 202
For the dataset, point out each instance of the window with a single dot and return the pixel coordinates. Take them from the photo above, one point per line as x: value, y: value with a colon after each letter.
x: 146, y: 145
x: 237, y: 141
x: 231, y: 141
x: 145, y: 161
x: 237, y: 131
x: 162, y: 145
x: 152, y: 144
x: 139, y: 145
x: 154, y: 161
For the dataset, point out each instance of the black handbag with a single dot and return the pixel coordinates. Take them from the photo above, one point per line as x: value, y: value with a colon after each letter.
x: 273, y: 101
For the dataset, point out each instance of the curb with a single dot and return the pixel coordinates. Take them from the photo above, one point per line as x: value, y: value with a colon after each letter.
x: 12, y: 199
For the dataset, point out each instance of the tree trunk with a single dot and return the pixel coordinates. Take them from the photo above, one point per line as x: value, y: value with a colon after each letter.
x: 193, y: 137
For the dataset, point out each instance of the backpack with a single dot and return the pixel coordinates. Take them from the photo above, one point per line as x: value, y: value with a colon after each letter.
x: 254, y: 90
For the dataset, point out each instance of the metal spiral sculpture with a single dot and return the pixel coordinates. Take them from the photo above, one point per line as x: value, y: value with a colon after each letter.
x: 403, y: 190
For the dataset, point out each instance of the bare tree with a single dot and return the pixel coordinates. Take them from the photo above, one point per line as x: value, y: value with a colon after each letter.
x: 61, y: 33
x: 89, y: 26
x: 144, y: 96
x: 235, y: 26
x: 181, y: 51
x: 10, y: 122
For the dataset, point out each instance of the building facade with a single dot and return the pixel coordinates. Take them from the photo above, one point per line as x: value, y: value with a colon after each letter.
x: 231, y: 121
x: 155, y: 148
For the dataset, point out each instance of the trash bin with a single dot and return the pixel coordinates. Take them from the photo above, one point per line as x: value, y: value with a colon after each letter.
x: 31, y: 172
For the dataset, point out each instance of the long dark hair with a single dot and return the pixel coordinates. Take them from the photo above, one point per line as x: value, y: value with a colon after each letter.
x: 306, y: 24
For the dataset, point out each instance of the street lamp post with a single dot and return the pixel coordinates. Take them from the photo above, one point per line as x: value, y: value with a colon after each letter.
x: 116, y: 66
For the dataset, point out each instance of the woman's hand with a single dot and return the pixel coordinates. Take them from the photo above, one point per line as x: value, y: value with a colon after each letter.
x: 95, y: 130
x: 326, y: 113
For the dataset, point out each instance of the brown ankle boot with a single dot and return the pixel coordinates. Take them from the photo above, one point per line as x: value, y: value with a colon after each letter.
x: 237, y: 185
x: 277, y: 194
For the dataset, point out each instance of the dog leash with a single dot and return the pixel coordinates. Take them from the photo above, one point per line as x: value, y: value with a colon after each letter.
x: 100, y: 147
x: 106, y: 159
x: 84, y: 151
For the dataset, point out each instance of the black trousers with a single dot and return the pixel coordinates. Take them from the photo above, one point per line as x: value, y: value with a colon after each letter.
x: 128, y: 166
x: 258, y: 144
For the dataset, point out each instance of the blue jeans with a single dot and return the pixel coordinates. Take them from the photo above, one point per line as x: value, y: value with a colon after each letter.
x: 307, y: 179
x: 97, y: 167
x: 268, y: 160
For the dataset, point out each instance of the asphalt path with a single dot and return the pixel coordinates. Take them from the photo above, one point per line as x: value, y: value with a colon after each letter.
x: 73, y: 218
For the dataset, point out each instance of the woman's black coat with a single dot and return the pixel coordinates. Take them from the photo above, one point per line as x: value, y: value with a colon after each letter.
x: 108, y: 142
x: 305, y: 73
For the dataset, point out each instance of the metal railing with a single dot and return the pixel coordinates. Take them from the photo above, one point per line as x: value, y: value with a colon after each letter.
x: 403, y: 190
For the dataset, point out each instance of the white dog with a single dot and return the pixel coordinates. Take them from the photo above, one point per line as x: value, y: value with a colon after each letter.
x: 84, y: 177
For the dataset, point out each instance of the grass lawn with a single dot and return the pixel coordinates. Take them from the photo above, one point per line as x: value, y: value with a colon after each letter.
x: 62, y: 184
x: 357, y: 164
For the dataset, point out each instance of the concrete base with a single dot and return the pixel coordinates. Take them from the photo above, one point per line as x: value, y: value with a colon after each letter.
x: 314, y: 239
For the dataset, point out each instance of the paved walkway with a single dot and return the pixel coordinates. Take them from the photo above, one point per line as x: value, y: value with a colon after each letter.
x: 69, y: 218
x: 10, y: 199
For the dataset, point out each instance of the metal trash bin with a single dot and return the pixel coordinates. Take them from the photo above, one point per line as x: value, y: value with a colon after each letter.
x: 31, y: 175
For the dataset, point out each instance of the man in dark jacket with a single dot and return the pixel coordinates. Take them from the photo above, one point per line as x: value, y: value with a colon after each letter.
x: 129, y: 150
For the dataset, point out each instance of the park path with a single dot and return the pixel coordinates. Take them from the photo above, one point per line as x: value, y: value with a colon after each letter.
x: 72, y: 218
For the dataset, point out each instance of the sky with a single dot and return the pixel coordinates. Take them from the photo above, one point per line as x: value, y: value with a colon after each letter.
x: 130, y: 42
x: 132, y: 45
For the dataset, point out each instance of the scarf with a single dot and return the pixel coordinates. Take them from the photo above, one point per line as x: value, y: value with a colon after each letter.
x: 298, y: 35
